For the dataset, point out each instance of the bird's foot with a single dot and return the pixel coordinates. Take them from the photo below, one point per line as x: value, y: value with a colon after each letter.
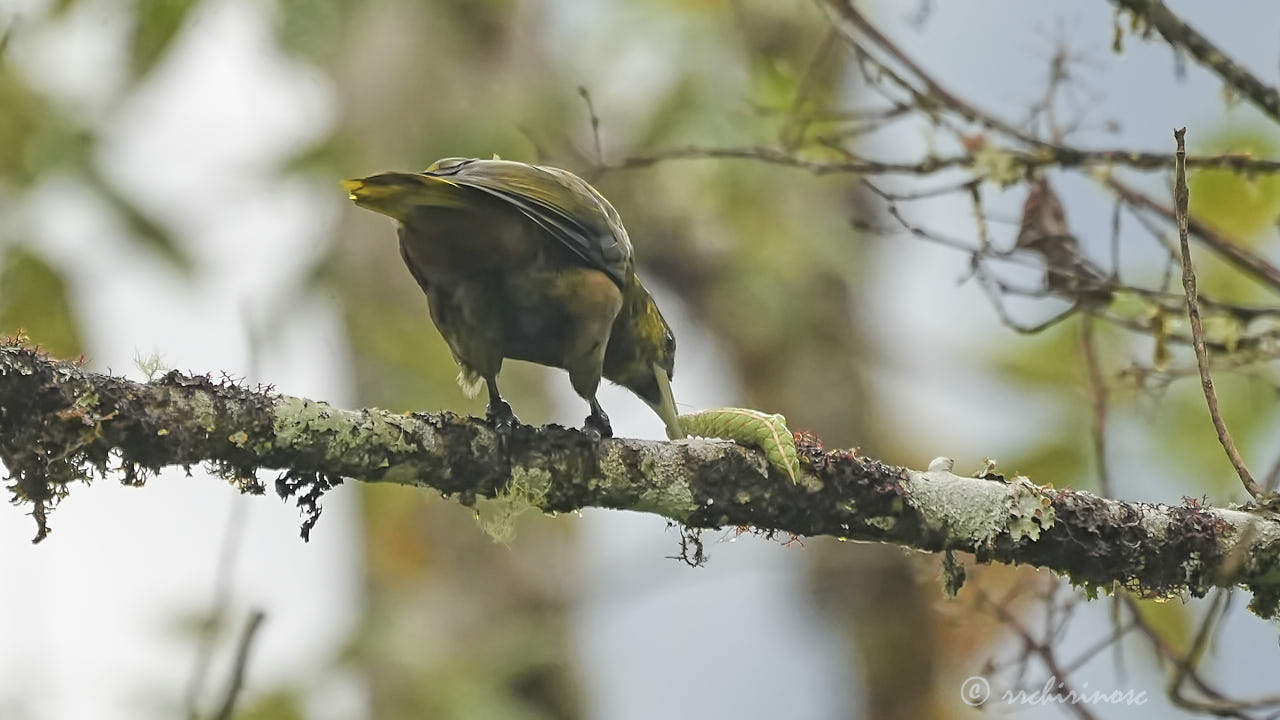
x: 500, y: 415
x: 504, y: 422
x: 597, y: 426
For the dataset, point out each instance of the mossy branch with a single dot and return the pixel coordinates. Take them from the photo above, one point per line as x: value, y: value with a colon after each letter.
x: 60, y: 424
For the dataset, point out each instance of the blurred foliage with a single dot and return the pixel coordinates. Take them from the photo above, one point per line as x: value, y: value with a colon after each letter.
x: 33, y: 298
x: 761, y: 256
x: 1042, y: 361
x: 143, y: 230
x: 281, y: 704
x: 36, y: 138
x: 1239, y: 205
x: 44, y: 136
x: 156, y: 25
x: 1182, y: 432
x: 1169, y: 619
x: 313, y: 29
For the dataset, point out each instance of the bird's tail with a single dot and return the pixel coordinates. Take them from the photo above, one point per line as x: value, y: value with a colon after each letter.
x: 396, y: 194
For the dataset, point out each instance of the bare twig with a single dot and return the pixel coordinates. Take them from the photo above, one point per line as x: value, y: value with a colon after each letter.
x: 793, y: 130
x: 1182, y: 36
x: 1180, y: 197
x: 1229, y: 249
x: 595, y: 124
x: 236, y: 683
x: 849, y: 22
x: 1065, y: 157
x: 217, y: 608
x: 1217, y: 702
x: 1097, y: 385
x: 1040, y: 649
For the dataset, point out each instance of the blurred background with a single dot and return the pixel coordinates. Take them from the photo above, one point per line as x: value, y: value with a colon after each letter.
x: 169, y: 195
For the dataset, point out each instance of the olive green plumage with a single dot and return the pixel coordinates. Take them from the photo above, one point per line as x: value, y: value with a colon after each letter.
x: 531, y: 263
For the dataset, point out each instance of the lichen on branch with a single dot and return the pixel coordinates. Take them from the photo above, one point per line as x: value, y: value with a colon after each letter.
x: 61, y: 424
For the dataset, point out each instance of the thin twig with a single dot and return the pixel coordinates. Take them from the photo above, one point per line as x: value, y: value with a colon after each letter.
x: 1097, y: 385
x: 1229, y: 249
x: 222, y: 587
x: 1042, y: 650
x: 236, y: 683
x: 1180, y: 198
x: 595, y: 124
x: 1182, y: 36
x: 846, y: 19
x: 1218, y: 704
x: 1065, y: 157
x: 793, y: 130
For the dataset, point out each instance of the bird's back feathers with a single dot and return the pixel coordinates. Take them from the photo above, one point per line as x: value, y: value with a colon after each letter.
x: 559, y: 202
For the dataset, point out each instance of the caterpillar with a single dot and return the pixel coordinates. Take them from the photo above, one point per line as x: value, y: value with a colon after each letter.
x: 752, y: 428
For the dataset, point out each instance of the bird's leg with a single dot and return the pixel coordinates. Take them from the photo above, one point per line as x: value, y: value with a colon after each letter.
x: 498, y: 411
x: 597, y: 423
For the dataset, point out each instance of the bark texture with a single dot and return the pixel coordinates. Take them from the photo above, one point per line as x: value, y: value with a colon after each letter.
x: 60, y: 423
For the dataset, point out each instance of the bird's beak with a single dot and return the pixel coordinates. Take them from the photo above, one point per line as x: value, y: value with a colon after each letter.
x: 666, y: 405
x: 354, y: 189
x: 384, y: 193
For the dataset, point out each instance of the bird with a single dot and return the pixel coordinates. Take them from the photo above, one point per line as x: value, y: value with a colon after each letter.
x: 528, y: 262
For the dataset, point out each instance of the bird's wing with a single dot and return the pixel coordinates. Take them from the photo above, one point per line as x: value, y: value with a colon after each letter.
x: 560, y: 202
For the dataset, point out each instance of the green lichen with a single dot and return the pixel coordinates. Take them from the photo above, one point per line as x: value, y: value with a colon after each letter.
x: 663, y: 488
x: 298, y: 420
x: 970, y: 512
x: 497, y: 516
x: 884, y: 522
x: 1030, y: 510
x: 996, y: 165
x: 204, y: 414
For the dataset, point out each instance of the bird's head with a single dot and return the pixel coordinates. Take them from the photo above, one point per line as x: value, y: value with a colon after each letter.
x: 641, y: 355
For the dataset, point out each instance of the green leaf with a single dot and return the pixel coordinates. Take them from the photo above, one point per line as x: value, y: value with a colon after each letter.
x: 23, y: 113
x: 156, y: 25
x: 35, y: 138
x: 33, y: 298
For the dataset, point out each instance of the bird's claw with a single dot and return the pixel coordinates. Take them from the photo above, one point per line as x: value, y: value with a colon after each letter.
x: 597, y: 427
x: 499, y: 414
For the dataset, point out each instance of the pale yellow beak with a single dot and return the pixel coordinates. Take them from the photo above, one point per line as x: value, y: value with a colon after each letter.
x: 353, y: 188
x: 666, y: 408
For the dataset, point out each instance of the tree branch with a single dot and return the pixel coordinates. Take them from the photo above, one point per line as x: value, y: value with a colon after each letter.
x: 60, y: 423
x: 1233, y: 252
x: 1019, y: 161
x: 1181, y: 35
